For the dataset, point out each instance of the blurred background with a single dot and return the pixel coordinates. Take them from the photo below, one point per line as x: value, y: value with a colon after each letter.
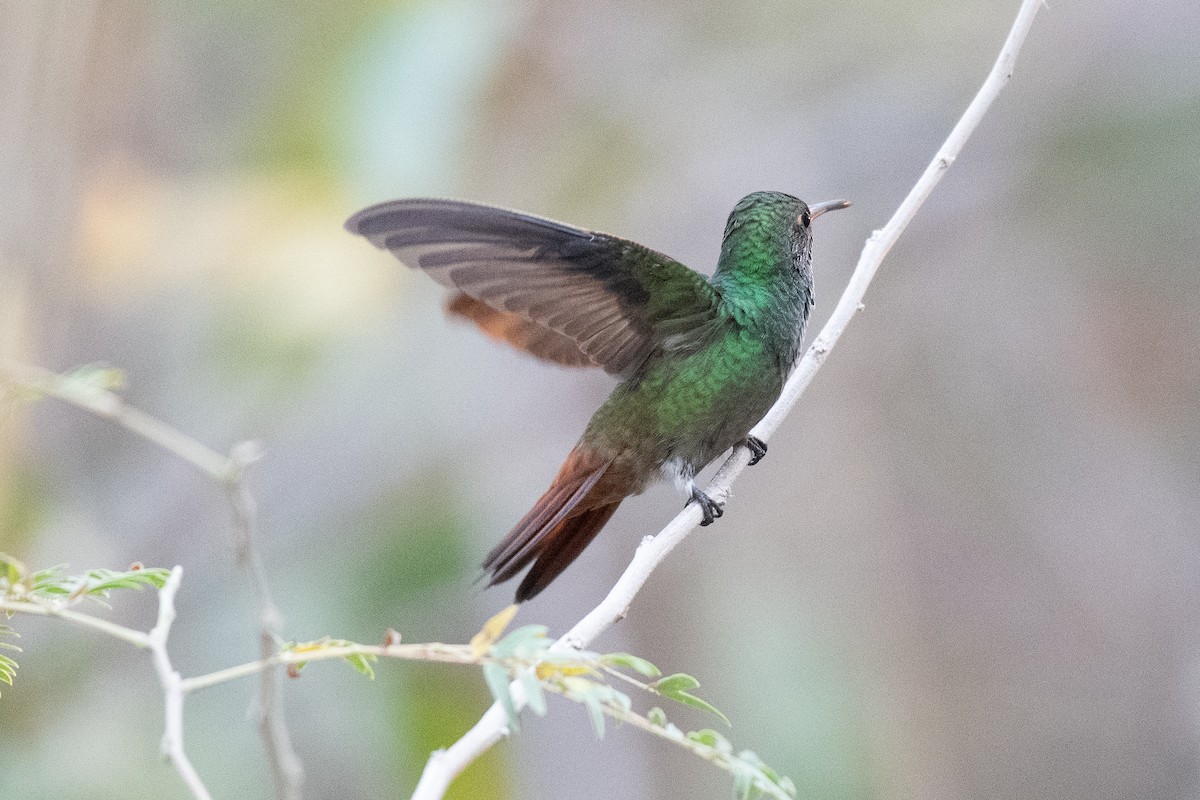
x: 968, y: 567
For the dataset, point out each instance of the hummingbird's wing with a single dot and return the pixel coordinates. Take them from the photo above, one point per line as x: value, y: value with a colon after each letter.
x: 519, y: 332
x: 569, y: 295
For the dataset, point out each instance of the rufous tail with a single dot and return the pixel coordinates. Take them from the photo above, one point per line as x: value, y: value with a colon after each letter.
x: 558, y: 527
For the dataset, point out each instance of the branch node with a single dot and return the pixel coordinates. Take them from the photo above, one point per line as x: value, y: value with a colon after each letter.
x: 245, y: 453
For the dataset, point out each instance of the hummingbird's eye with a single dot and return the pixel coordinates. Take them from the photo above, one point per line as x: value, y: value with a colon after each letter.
x: 804, y: 220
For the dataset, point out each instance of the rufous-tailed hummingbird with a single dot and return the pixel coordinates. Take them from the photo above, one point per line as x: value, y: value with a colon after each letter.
x: 700, y: 360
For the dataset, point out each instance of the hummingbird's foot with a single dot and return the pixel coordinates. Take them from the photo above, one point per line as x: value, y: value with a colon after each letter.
x: 710, y: 508
x: 757, y: 448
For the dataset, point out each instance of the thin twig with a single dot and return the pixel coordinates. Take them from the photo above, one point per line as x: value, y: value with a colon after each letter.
x: 444, y: 765
x: 110, y: 405
x: 228, y: 471
x: 722, y: 760
x: 433, y: 651
x: 285, y: 763
x: 50, y: 609
x: 172, y: 741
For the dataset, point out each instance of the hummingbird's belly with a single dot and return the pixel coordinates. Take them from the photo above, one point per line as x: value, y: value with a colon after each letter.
x: 688, y: 410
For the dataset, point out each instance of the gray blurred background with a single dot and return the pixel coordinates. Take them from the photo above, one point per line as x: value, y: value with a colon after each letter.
x: 966, y: 570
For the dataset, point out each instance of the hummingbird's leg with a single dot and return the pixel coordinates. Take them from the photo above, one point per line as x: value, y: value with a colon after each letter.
x: 757, y: 448
x: 709, y: 507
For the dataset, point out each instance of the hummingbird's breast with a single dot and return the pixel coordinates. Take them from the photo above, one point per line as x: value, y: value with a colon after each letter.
x: 688, y: 409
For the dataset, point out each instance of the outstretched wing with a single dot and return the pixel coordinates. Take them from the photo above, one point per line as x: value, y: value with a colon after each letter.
x: 568, y: 295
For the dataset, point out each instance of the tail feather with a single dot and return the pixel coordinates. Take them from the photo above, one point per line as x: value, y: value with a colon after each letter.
x: 562, y: 547
x: 558, y: 527
x: 524, y: 543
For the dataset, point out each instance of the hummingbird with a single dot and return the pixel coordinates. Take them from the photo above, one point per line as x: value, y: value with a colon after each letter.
x: 700, y: 360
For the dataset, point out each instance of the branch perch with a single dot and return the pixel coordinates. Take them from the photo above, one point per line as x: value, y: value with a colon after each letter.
x: 444, y: 765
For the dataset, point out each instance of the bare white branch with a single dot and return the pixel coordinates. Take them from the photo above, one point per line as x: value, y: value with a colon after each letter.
x: 172, y: 741
x: 444, y: 765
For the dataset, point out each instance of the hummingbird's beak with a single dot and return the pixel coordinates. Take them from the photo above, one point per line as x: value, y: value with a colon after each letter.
x: 817, y: 209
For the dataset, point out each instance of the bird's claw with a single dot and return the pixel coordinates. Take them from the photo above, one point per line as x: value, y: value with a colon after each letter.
x: 710, y: 508
x: 757, y: 448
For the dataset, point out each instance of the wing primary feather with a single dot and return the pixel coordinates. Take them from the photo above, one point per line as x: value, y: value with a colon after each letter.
x: 593, y: 289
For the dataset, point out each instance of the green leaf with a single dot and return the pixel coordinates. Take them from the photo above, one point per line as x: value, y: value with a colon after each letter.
x: 362, y: 664
x: 533, y: 691
x: 10, y: 569
x: 7, y: 665
x: 96, y: 583
x: 8, y: 669
x: 527, y: 642
x: 695, y: 702
x: 492, y: 630
x: 657, y: 717
x: 751, y: 757
x: 632, y: 662
x: 679, y: 682
x: 102, y: 581
x: 620, y: 700
x: 760, y: 774
x: 595, y: 697
x: 711, y: 738
x: 49, y: 575
x: 97, y: 376
x: 595, y: 712
x: 743, y: 784
x: 674, y: 687
x: 496, y: 678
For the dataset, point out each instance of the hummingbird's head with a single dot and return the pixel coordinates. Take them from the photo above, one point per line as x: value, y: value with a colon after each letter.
x: 778, y: 211
x: 765, y: 270
x: 775, y: 222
